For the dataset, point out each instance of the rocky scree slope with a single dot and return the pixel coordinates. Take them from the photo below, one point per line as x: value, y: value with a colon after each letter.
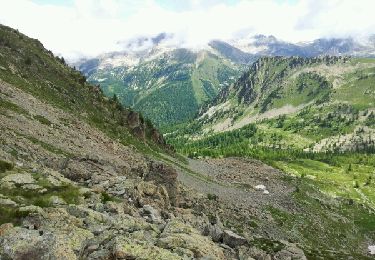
x: 80, y: 178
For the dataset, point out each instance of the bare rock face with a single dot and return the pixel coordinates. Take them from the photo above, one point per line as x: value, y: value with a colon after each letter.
x: 144, y: 130
x: 167, y: 176
x: 232, y: 239
x: 139, y: 132
x: 134, y: 120
x: 137, y: 125
x: 157, y: 137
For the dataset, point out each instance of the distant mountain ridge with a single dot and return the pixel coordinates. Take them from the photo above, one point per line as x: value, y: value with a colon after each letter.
x: 169, y: 84
x: 262, y: 45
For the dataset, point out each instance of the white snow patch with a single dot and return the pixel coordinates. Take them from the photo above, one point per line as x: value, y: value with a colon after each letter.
x: 260, y: 187
x: 371, y: 249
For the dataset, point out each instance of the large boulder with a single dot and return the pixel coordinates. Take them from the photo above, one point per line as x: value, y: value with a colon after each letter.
x: 232, y: 239
x: 21, y: 243
x: 125, y: 248
x: 214, y: 231
x: 16, y: 179
x: 188, y: 242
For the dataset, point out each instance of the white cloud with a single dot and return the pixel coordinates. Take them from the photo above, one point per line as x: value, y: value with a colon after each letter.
x: 90, y: 27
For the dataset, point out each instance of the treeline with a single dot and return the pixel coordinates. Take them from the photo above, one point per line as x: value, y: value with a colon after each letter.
x: 217, y: 141
x: 270, y: 155
x: 245, y: 142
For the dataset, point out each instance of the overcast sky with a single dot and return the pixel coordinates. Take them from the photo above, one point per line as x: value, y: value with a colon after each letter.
x: 89, y: 27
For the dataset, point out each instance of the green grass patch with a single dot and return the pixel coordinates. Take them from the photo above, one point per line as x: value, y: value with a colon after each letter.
x: 69, y: 193
x: 106, y: 197
x: 6, y: 105
x: 11, y: 215
x: 5, y: 166
x: 325, y: 228
x: 42, y: 120
x: 268, y: 245
x: 47, y: 146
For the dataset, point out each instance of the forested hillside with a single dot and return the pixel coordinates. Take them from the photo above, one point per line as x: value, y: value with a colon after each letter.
x: 168, y: 87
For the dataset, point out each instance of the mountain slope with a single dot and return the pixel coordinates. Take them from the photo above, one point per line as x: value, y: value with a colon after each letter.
x: 78, y: 174
x: 83, y: 178
x: 330, y: 92
x: 305, y: 116
x: 26, y: 64
x: 169, y: 84
x: 168, y: 87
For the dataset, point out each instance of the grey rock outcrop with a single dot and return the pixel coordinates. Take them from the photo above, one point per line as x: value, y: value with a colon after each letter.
x: 232, y: 239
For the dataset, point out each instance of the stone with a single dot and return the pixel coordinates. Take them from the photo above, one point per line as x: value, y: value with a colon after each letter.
x: 7, y: 202
x: 232, y: 239
x: 57, y: 201
x: 152, y: 213
x: 125, y: 248
x: 44, y: 190
x: 19, y: 178
x: 31, y: 209
x: 19, y: 164
x: 32, y: 187
x: 21, y: 243
x: 166, y: 176
x: 214, y: 231
x: 5, y: 227
x: 100, y: 254
x: 119, y: 192
x: 84, y: 191
x: 249, y: 253
x: 187, y: 242
x: 113, y: 207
